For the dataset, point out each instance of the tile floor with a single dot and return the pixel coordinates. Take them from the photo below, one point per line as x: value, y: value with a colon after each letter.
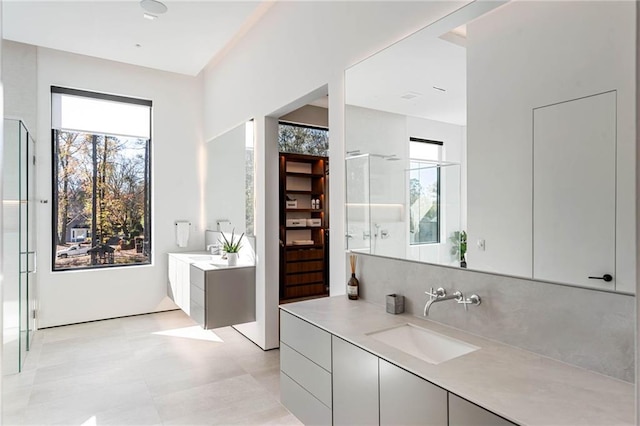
x: 145, y: 370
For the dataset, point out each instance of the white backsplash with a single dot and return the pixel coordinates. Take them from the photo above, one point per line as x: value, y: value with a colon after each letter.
x: 588, y: 328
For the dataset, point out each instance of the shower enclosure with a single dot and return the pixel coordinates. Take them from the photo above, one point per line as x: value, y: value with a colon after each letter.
x: 18, y: 252
x: 403, y: 208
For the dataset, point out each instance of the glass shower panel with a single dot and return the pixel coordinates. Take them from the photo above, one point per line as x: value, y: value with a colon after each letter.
x: 31, y: 241
x: 18, y: 241
x: 24, y: 240
x: 387, y: 207
x: 358, y: 203
x: 11, y: 247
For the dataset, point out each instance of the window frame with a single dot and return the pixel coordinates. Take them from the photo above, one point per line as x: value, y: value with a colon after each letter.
x: 438, y: 189
x: 148, y: 217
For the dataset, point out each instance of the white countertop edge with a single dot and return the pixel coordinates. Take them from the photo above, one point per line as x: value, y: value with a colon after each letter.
x: 206, y: 265
x: 521, y: 386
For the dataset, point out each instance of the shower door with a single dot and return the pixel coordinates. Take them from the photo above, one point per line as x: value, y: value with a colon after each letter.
x: 18, y: 256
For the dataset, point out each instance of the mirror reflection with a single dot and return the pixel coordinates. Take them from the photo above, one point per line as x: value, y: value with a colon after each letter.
x: 491, y: 141
x: 229, y: 198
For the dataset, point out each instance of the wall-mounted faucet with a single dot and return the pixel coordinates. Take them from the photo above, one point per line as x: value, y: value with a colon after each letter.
x: 440, y: 295
x: 473, y: 300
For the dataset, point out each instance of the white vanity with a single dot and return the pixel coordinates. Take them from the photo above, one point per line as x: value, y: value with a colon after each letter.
x: 210, y: 291
x: 334, y: 371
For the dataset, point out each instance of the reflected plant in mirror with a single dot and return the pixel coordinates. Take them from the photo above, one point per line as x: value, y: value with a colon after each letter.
x: 482, y: 126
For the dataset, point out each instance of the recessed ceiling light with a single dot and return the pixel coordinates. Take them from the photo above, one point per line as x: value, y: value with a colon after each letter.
x: 138, y: 45
x: 411, y: 95
x: 153, y: 6
x: 439, y: 89
x: 149, y: 16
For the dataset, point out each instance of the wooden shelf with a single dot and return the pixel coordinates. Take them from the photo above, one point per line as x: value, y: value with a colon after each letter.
x: 293, y: 228
x: 303, y: 268
x: 295, y: 191
x: 304, y: 175
x: 316, y: 246
x: 305, y: 210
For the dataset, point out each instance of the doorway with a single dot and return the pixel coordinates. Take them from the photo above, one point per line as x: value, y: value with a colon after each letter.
x: 303, y: 142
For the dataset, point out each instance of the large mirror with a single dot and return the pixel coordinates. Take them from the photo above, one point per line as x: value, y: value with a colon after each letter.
x: 502, y: 139
x: 229, y: 189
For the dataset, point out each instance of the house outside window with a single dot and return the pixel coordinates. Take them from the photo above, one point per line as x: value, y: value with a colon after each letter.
x: 101, y: 147
x: 424, y: 191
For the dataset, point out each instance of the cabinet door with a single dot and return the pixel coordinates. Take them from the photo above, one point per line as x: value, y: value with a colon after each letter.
x: 464, y: 413
x: 406, y: 399
x: 355, y: 385
x: 173, y: 279
x: 183, y: 286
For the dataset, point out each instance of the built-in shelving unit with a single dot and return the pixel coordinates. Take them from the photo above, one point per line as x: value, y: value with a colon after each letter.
x: 303, y: 244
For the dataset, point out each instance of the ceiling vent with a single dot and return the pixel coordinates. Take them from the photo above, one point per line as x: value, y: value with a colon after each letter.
x: 411, y: 95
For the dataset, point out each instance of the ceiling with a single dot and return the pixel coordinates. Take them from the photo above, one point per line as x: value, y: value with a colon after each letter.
x: 183, y: 40
x: 421, y: 76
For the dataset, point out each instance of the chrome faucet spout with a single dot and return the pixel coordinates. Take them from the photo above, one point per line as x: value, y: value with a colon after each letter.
x: 457, y: 296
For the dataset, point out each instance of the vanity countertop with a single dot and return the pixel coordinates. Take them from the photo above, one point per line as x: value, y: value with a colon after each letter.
x: 209, y: 262
x: 521, y: 386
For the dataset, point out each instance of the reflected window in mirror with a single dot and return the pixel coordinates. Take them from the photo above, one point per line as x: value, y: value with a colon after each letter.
x: 424, y: 191
x: 302, y: 139
x: 249, y: 206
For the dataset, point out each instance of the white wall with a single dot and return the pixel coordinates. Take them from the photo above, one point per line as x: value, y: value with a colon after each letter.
x: 69, y: 297
x: 296, y: 48
x: 19, y: 74
x: 310, y: 115
x: 1, y: 176
x: 581, y: 49
x: 226, y: 180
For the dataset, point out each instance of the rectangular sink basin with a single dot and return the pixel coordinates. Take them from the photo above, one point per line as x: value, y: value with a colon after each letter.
x: 427, y: 345
x: 201, y: 257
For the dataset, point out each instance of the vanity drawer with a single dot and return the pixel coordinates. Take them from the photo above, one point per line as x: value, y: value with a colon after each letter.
x: 292, y: 292
x: 308, y: 278
x: 307, y: 339
x: 304, y: 254
x: 196, y: 277
x: 310, y: 376
x: 302, y: 404
x: 197, y: 296
x: 311, y: 266
x: 197, y: 313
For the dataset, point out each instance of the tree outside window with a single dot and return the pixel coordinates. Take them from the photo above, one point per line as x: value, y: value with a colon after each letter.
x: 294, y: 138
x: 101, y: 185
x: 424, y: 191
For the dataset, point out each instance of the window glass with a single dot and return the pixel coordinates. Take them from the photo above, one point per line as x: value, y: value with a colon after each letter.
x: 299, y: 139
x: 424, y: 192
x: 101, y: 181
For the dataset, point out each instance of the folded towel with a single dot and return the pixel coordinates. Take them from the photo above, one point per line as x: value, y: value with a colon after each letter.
x: 182, y: 233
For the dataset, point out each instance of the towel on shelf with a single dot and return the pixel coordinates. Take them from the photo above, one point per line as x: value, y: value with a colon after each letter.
x: 182, y: 233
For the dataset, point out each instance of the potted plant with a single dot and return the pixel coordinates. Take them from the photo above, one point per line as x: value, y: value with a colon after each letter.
x: 231, y: 247
x: 459, y: 247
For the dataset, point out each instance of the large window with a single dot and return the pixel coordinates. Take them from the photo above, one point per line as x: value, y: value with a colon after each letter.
x: 424, y: 191
x: 101, y: 180
x: 301, y: 139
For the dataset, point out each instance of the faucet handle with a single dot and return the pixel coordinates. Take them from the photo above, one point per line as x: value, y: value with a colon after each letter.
x: 474, y: 299
x: 440, y: 292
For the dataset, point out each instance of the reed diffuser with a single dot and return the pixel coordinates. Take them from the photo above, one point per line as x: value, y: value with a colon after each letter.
x: 353, y: 284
